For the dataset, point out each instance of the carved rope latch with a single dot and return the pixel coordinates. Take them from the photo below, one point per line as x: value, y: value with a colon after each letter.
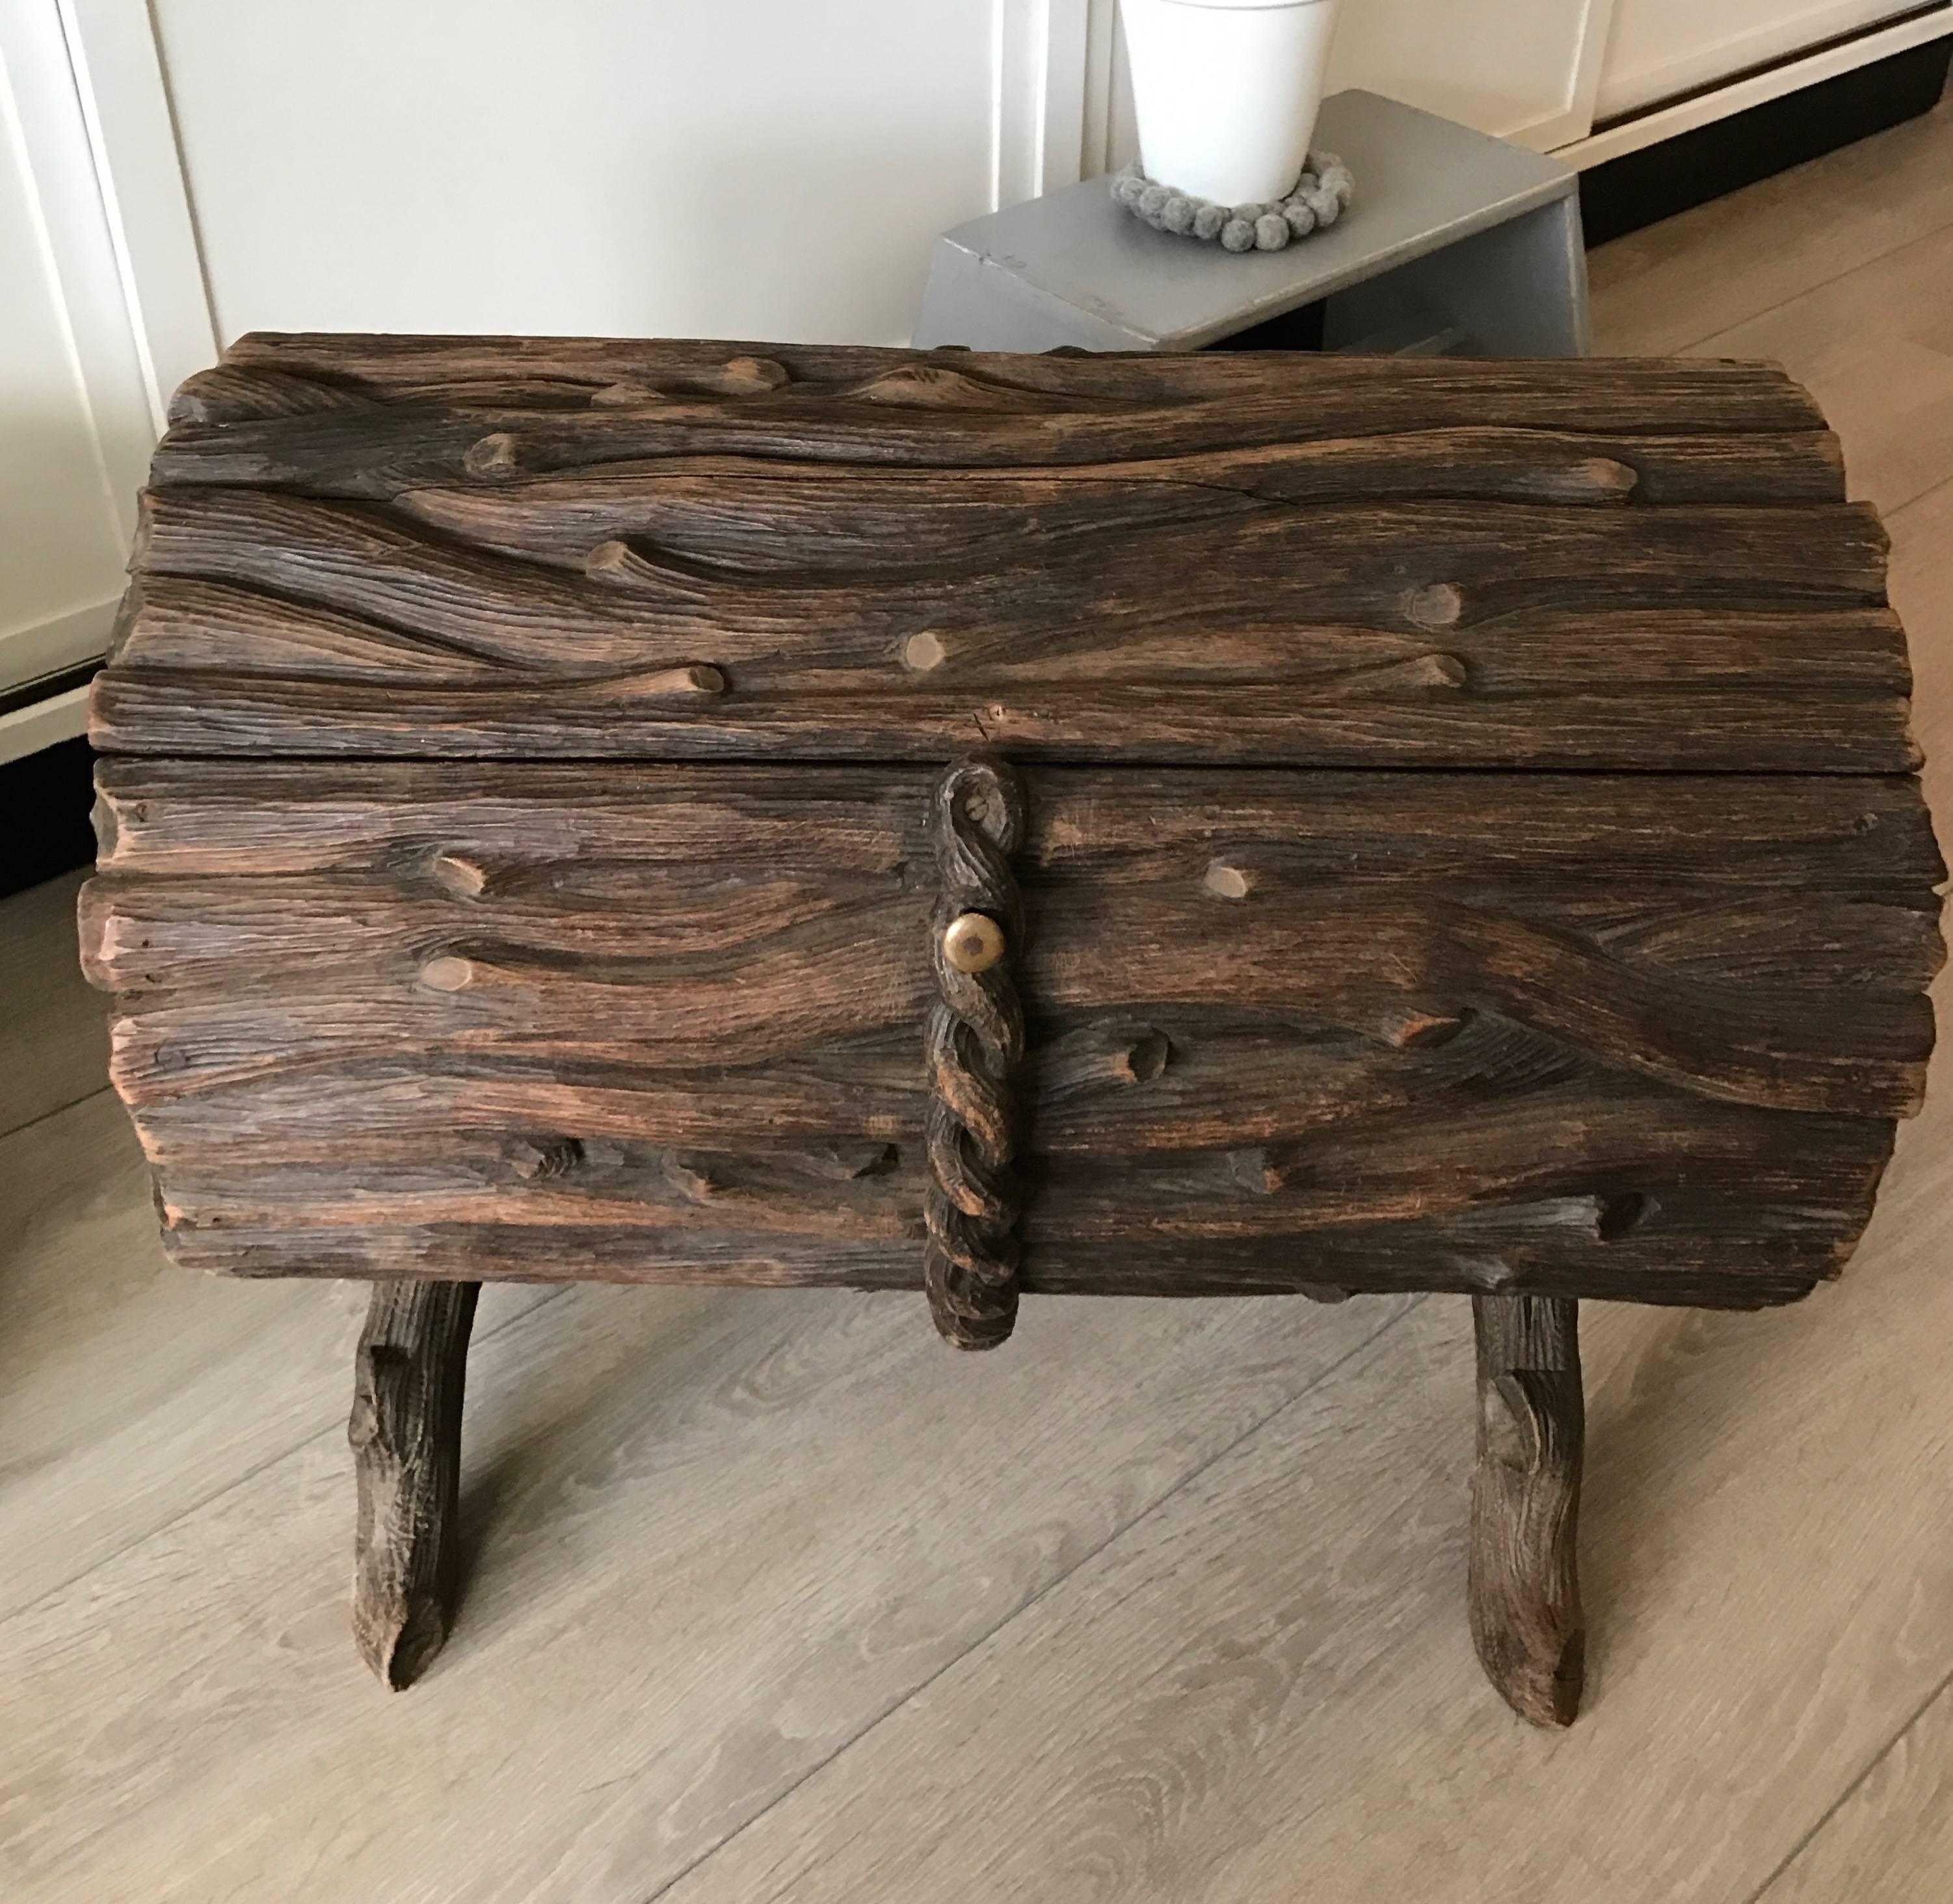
x: 976, y: 1040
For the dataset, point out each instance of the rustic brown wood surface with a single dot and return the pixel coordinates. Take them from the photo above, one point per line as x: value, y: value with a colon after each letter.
x: 1176, y: 1624
x: 1379, y: 1032
x: 1524, y: 1584
x: 974, y: 1041
x: 399, y: 998
x: 409, y: 1373
x: 469, y: 548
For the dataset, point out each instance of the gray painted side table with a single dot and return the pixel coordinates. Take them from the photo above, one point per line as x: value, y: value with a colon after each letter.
x: 1457, y: 244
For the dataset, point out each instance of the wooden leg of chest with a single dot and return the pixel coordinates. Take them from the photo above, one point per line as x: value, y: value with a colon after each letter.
x: 1524, y: 1580
x: 405, y: 1433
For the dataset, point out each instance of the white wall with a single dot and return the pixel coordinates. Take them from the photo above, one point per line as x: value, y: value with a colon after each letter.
x: 762, y: 168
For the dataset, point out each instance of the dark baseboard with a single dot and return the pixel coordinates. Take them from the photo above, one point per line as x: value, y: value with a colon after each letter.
x: 45, y: 800
x: 1693, y: 167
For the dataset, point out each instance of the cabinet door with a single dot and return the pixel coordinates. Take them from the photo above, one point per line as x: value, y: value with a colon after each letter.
x: 75, y: 421
x: 1656, y: 49
x: 1522, y: 69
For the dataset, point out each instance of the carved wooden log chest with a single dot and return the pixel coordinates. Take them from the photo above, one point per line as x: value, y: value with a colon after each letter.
x: 697, y: 813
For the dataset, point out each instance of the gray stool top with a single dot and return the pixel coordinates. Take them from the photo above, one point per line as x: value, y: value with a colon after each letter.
x: 1422, y: 182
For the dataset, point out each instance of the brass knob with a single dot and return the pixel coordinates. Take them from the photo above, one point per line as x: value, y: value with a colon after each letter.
x: 973, y: 942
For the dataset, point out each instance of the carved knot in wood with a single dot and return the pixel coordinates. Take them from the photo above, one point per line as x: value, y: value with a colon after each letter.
x: 976, y: 1040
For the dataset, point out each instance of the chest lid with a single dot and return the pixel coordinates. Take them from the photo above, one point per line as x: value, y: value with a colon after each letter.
x: 424, y: 547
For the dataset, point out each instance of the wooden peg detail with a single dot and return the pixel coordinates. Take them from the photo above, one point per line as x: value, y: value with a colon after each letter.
x: 934, y: 386
x: 1225, y: 881
x: 1256, y: 1169
x: 1140, y: 1059
x: 615, y: 561
x: 973, y: 942
x: 447, y: 973
x: 405, y: 1431
x: 1523, y: 1578
x: 625, y: 396
x: 976, y: 1041
x: 751, y: 376
x: 696, y: 681
x: 1427, y: 671
x: 453, y: 872
x: 1410, y: 1029
x: 1600, y: 479
x: 493, y: 455
x: 1436, y: 606
x: 922, y: 652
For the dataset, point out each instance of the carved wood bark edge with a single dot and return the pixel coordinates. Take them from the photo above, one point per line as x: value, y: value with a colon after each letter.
x: 408, y: 1372
x: 1623, y: 1038
x: 475, y: 549
x: 1523, y: 1579
x: 976, y: 1042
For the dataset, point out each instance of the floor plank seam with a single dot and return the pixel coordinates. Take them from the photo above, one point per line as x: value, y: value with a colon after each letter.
x: 1851, y: 1787
x: 983, y: 1640
x: 1810, y: 290
x: 41, y: 1117
x: 1891, y: 515
x: 271, y: 1461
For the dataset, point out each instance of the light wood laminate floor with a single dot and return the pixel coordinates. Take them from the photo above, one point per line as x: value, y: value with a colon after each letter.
x: 772, y: 1599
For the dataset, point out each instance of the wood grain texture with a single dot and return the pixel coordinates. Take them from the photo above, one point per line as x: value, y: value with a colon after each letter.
x: 295, y: 816
x: 1686, y: 279
x: 53, y: 1048
x: 129, y: 1392
x: 1890, y: 1840
x: 1523, y: 1571
x: 1263, y: 1682
x: 1210, y: 1702
x: 695, y: 1511
x: 454, y: 548
x: 1853, y: 337
x: 568, y: 372
x: 1884, y: 1840
x: 1522, y: 1009
x: 1922, y: 548
x: 409, y: 1375
x: 1210, y: 1705
x: 974, y: 1042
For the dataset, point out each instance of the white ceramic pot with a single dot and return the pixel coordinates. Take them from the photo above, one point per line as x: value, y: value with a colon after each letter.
x: 1226, y: 92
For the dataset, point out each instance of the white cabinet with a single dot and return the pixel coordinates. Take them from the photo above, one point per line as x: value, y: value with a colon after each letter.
x: 756, y: 168
x: 1657, y: 48
x: 73, y: 422
x: 1522, y: 70
x: 63, y: 538
x: 1542, y: 73
x: 82, y: 374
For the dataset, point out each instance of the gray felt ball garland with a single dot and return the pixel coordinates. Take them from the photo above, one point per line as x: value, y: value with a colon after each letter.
x: 1321, y: 196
